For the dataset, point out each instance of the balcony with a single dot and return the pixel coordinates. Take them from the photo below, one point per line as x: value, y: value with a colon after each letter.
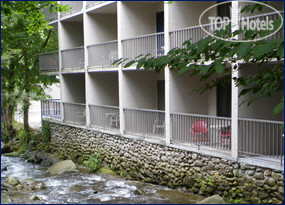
x: 74, y: 113
x: 257, y: 139
x: 90, y: 4
x: 73, y: 59
x: 102, y: 55
x: 105, y: 117
x: 51, y: 108
x: 49, y: 62
x: 152, y: 44
x: 145, y: 122
x: 76, y: 6
x: 196, y: 33
x: 49, y: 16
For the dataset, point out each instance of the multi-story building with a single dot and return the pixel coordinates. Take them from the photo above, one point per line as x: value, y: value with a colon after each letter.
x: 126, y: 101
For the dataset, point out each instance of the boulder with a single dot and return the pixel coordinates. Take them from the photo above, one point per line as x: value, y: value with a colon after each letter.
x: 5, y: 148
x: 34, y: 198
x: 28, y: 181
x: 215, y: 199
x: 62, y: 167
x: 13, y: 181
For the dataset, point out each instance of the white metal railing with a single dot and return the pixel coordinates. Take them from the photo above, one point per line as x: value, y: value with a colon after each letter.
x: 270, y: 16
x: 145, y: 122
x: 76, y: 6
x: 178, y: 37
x: 49, y: 61
x: 104, y: 116
x: 49, y: 16
x: 261, y: 137
x: 74, y: 113
x: 73, y: 59
x: 152, y: 44
x: 103, y: 54
x: 93, y: 3
x: 196, y: 33
x: 201, y: 130
x: 51, y: 108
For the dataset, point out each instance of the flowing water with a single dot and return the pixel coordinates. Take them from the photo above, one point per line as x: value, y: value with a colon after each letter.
x: 86, y: 188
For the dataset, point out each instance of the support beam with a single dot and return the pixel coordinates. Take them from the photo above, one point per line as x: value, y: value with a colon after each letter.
x: 234, y: 131
x: 167, y: 75
x: 120, y: 71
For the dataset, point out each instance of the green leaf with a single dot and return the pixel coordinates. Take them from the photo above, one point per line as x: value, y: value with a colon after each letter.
x: 260, y: 51
x: 219, y: 67
x: 280, y: 51
x: 129, y: 63
x: 279, y: 107
x: 243, y: 49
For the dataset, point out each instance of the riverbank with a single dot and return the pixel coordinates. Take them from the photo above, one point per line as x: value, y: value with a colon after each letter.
x: 83, y: 187
x: 161, y: 164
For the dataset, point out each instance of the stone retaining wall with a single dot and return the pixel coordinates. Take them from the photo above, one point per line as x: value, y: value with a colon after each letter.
x: 172, y: 167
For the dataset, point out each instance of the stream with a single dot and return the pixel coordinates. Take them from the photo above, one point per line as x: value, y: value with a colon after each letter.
x: 85, y: 188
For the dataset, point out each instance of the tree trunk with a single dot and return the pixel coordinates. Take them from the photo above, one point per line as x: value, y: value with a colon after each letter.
x: 9, y: 105
x: 26, y: 100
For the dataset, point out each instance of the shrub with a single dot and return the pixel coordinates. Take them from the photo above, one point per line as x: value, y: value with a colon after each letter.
x: 94, y: 162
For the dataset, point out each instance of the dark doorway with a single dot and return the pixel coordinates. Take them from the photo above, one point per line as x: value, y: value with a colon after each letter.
x: 224, y: 100
x: 160, y: 95
x: 223, y: 10
x: 159, y: 21
x: 160, y: 28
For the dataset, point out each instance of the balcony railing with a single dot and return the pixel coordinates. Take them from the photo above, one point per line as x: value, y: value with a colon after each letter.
x: 106, y: 117
x: 49, y: 62
x: 93, y: 3
x: 51, y: 108
x: 270, y: 16
x: 201, y: 130
x: 74, y: 113
x: 196, y: 33
x: 152, y: 44
x: 103, y: 54
x: 145, y: 122
x: 76, y: 6
x: 49, y: 16
x: 261, y: 138
x: 73, y: 59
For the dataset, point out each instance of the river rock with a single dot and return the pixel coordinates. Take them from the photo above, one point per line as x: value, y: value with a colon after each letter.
x: 13, y: 181
x: 28, y: 181
x: 34, y: 198
x: 215, y: 199
x: 5, y: 148
x: 62, y: 167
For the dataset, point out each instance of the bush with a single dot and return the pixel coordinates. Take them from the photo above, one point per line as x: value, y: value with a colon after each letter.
x: 94, y: 162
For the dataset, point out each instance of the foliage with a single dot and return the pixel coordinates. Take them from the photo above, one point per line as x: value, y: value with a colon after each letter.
x: 204, y: 183
x: 25, y: 34
x: 106, y: 170
x: 94, y: 162
x: 220, y: 55
x: 60, y: 154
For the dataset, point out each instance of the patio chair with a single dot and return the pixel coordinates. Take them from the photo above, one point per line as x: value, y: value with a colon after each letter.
x: 115, y: 119
x: 80, y: 117
x: 199, y: 131
x: 226, y: 135
x: 158, y: 124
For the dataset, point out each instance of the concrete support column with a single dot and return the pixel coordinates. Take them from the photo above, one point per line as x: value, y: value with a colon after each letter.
x: 87, y: 78
x: 167, y: 75
x: 120, y: 72
x: 60, y: 66
x: 234, y: 131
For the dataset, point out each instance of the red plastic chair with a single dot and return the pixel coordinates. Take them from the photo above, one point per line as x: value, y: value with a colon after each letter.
x: 199, y: 131
x: 226, y: 135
